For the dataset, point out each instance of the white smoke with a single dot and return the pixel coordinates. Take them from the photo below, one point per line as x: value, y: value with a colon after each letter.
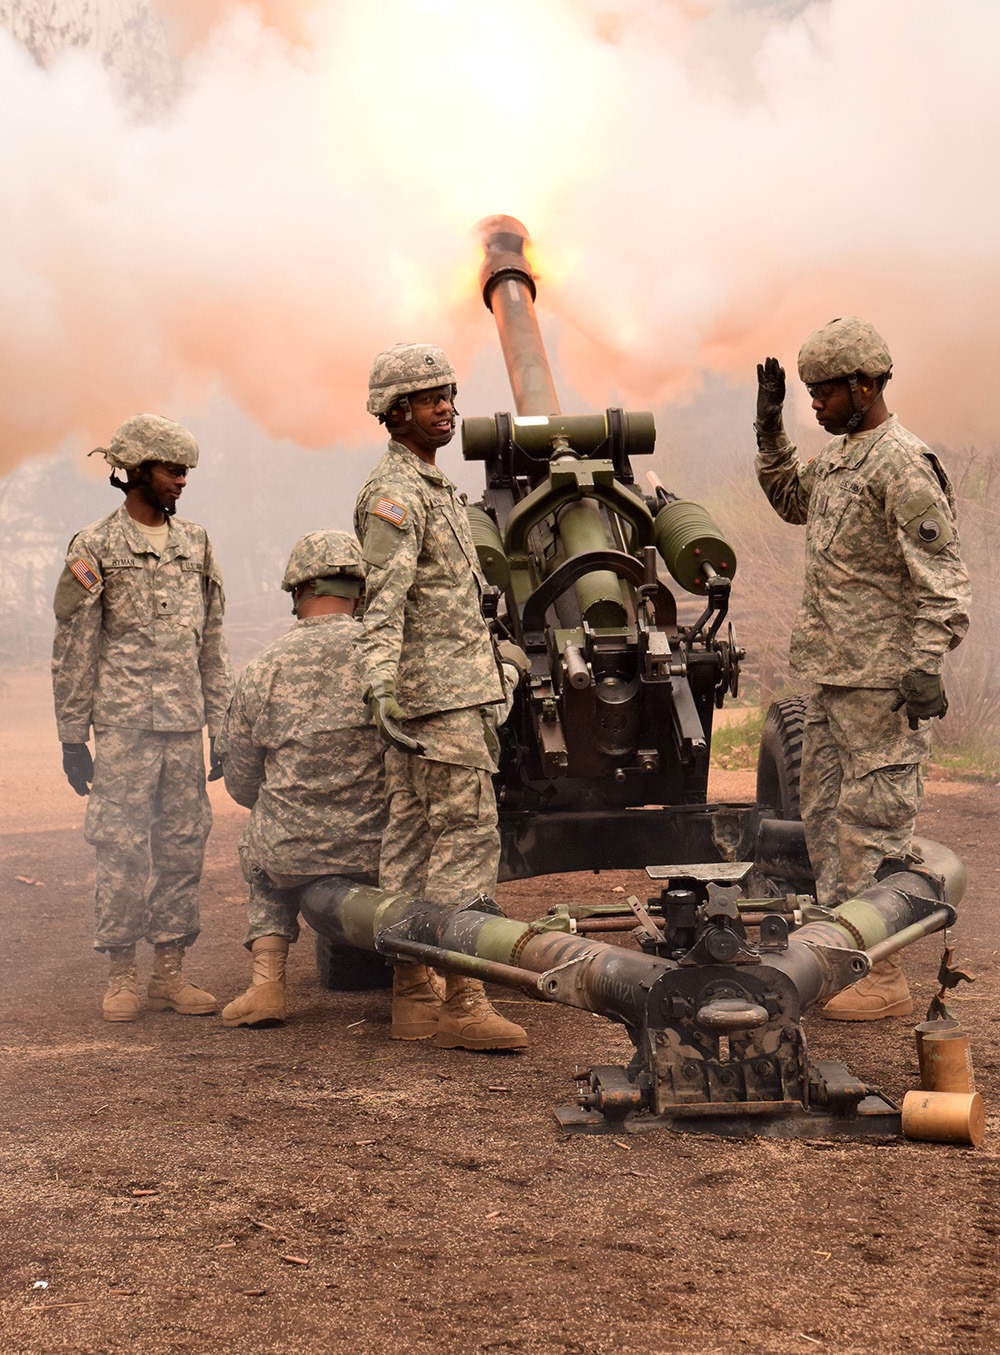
x: 703, y: 188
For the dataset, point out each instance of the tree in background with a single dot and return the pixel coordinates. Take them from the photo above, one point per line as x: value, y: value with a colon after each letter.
x: 127, y: 36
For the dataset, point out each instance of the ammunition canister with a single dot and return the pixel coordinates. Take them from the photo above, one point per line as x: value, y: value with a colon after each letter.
x: 945, y: 1057
x: 944, y: 1117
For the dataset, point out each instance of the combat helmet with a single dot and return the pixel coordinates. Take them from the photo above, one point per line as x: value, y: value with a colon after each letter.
x: 149, y: 437
x: 403, y: 369
x: 842, y: 349
x: 333, y: 557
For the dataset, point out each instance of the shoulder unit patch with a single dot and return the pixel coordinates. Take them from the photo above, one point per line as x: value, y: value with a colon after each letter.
x: 390, y: 511
x: 83, y: 573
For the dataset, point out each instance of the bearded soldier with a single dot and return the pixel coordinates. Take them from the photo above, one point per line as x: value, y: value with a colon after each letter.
x: 140, y: 659
x: 886, y: 597
x: 434, y: 685
x: 308, y: 767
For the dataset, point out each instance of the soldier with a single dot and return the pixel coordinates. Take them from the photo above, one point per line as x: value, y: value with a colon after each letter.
x: 309, y: 769
x: 433, y: 683
x: 886, y: 596
x: 139, y: 656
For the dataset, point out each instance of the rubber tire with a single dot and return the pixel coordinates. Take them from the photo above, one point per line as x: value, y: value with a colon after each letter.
x: 342, y: 969
x: 779, y: 762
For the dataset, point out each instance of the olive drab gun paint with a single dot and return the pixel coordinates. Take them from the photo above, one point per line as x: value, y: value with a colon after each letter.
x: 615, y: 719
x: 604, y: 765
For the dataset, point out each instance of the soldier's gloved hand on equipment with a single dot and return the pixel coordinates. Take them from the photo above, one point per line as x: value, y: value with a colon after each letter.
x: 388, y: 714
x: 78, y: 766
x: 923, y: 696
x: 514, y: 659
x: 215, y: 768
x: 770, y: 399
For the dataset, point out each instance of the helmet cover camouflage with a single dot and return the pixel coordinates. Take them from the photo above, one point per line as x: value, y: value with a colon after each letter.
x: 325, y: 555
x: 148, y: 437
x: 842, y: 348
x: 403, y: 369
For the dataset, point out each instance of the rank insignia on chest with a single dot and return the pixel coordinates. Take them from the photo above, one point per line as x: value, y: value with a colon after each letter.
x: 390, y: 511
x: 83, y: 573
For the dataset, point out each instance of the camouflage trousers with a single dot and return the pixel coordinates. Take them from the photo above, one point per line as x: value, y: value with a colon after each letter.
x: 861, y: 786
x: 441, y: 842
x: 273, y: 902
x: 148, y: 815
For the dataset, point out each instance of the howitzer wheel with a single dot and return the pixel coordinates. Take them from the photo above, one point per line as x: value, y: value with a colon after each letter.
x: 343, y: 969
x: 779, y: 762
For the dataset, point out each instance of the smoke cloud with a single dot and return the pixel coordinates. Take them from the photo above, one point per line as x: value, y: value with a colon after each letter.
x: 705, y: 183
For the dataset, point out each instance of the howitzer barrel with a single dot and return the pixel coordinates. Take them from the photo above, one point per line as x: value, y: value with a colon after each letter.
x: 509, y: 292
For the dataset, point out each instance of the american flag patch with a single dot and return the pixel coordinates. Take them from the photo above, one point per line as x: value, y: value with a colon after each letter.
x: 390, y: 512
x: 83, y: 573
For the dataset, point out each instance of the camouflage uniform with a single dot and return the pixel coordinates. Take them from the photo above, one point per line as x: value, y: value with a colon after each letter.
x: 140, y: 656
x: 880, y: 599
x: 309, y: 769
x: 423, y: 628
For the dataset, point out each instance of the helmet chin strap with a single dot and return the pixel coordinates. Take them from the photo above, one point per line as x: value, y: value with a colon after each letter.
x: 854, y: 422
x: 144, y: 480
x: 428, y: 442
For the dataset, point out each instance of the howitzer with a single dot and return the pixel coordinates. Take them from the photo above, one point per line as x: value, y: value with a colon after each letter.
x: 604, y: 764
x: 613, y: 725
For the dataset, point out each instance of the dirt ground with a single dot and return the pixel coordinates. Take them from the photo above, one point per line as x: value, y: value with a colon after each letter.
x: 174, y: 1186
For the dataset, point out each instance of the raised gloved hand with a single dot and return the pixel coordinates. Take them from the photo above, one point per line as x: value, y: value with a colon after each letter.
x: 388, y: 715
x: 215, y: 768
x: 78, y: 766
x: 770, y: 398
x: 923, y: 696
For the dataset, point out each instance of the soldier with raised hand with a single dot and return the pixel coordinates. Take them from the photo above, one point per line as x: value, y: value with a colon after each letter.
x: 299, y: 750
x: 433, y: 683
x: 140, y: 658
x: 886, y: 596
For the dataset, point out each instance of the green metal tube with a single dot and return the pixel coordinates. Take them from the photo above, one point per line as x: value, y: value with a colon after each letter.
x: 599, y: 593
x: 573, y: 970
x: 489, y: 547
x: 509, y: 292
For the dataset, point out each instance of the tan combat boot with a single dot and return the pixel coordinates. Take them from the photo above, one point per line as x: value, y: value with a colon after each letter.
x: 263, y: 1003
x: 883, y: 992
x: 416, y: 1002
x: 467, y: 1021
x: 168, y: 988
x: 121, y: 999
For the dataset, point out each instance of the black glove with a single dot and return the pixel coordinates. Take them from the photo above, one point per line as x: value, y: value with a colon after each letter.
x: 923, y: 696
x: 215, y: 769
x: 387, y: 714
x: 78, y: 766
x: 770, y: 397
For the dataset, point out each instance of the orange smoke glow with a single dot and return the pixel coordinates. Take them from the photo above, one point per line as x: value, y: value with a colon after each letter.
x: 702, y: 188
